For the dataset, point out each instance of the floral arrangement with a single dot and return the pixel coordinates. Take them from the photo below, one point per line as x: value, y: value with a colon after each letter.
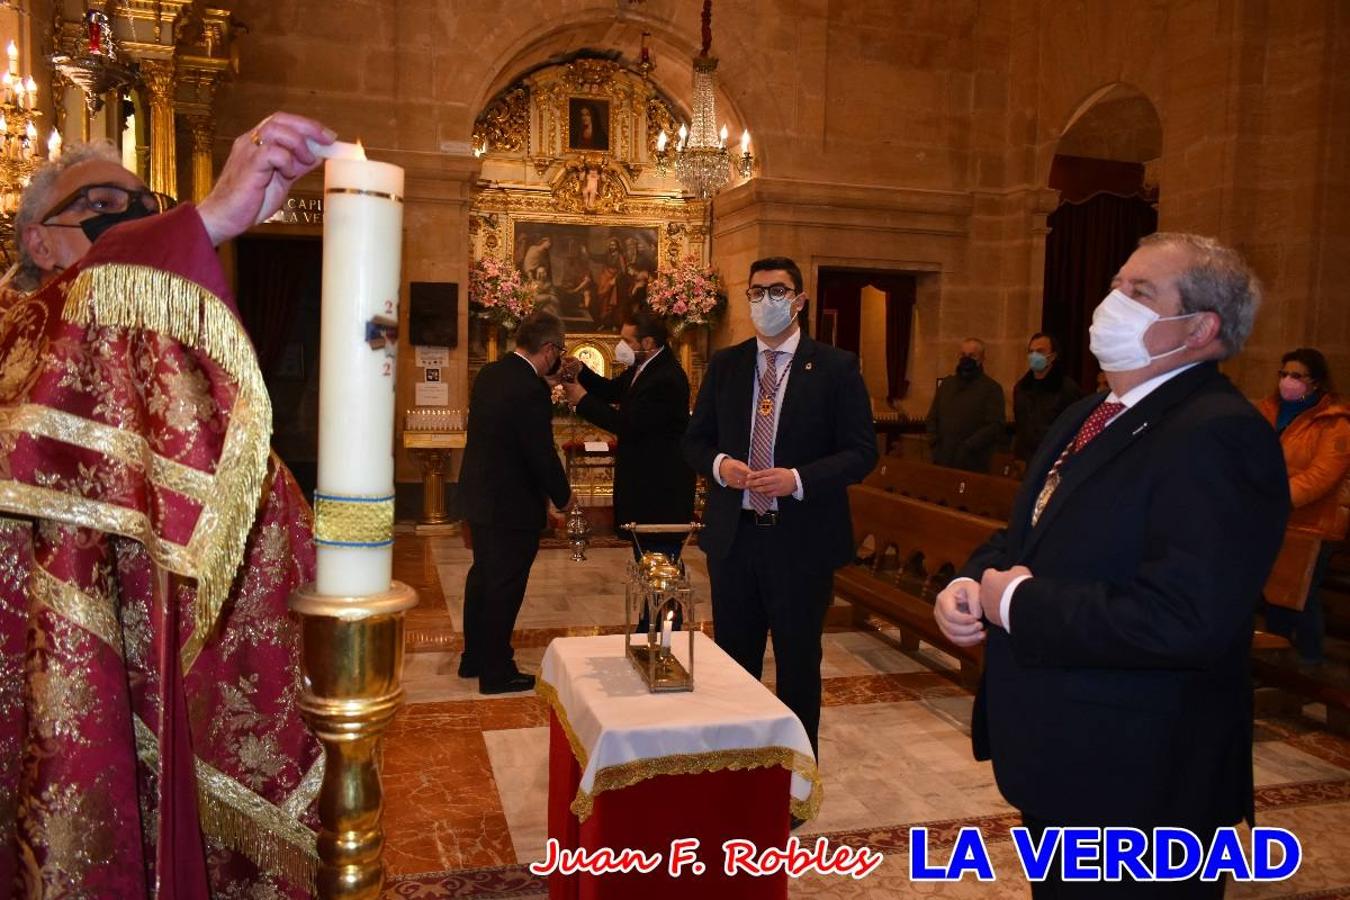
x: 497, y: 294
x: 689, y: 294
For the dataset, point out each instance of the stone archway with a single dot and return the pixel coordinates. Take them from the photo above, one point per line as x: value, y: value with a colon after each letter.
x: 1103, y: 170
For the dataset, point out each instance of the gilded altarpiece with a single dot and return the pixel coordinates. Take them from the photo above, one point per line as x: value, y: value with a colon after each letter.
x: 572, y: 195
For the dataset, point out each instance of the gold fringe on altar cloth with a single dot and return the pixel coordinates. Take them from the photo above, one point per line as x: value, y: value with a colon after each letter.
x: 612, y: 778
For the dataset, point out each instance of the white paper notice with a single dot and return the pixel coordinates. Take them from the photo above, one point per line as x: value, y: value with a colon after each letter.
x: 431, y: 393
x: 597, y: 447
x: 433, y: 357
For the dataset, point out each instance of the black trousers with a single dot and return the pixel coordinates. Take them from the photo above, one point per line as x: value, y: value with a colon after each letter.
x: 493, y: 592
x: 762, y: 587
x: 1053, y: 888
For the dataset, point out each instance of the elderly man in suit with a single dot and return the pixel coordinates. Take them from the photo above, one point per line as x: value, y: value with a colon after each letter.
x: 647, y: 409
x: 510, y: 472
x: 782, y: 426
x: 1117, y: 606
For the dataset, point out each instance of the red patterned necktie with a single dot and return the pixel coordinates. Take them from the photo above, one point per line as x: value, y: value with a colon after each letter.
x: 761, y: 436
x: 1091, y: 427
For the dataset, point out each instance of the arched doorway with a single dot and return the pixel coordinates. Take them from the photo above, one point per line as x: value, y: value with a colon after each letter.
x: 1108, y: 201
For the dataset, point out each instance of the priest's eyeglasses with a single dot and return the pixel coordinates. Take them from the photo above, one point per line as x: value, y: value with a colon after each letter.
x: 774, y: 292
x: 103, y: 199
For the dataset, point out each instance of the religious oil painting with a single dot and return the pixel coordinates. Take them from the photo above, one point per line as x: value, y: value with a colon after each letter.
x: 592, y: 276
x: 587, y: 123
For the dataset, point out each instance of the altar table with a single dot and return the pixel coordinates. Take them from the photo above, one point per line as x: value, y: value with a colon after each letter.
x: 629, y: 769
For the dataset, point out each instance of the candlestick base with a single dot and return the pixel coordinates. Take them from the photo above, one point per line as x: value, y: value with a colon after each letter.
x: 351, y: 656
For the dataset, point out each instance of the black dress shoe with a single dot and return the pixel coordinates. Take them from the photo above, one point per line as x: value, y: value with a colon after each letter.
x: 467, y: 669
x: 508, y: 685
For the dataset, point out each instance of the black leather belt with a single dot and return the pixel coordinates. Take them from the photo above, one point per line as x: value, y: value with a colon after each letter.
x: 754, y: 518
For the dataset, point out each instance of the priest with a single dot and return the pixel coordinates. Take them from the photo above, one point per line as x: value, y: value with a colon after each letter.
x: 150, y: 743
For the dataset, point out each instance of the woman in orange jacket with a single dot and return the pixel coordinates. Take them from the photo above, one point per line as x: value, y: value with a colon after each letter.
x: 1314, y: 428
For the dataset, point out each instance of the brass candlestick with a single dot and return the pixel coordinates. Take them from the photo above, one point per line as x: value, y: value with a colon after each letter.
x: 351, y: 656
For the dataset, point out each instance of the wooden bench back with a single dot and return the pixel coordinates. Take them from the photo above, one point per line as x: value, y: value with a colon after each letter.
x: 1291, y: 576
x: 915, y: 545
x: 990, y: 496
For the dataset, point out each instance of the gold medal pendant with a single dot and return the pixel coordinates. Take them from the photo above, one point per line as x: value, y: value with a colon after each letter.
x: 765, y: 407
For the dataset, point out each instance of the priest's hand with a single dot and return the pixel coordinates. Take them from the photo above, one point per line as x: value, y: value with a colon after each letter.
x: 574, y: 392
x: 777, y: 482
x: 262, y: 166
x: 992, y: 585
x: 571, y: 367
x: 957, y: 612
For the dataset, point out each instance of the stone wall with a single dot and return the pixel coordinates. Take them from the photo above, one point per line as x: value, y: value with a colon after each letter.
x: 912, y: 135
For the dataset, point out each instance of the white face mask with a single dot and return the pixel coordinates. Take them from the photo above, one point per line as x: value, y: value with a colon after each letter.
x: 623, y: 354
x: 1116, y: 336
x: 772, y: 317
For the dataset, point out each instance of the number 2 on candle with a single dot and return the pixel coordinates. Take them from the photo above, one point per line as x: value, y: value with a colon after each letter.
x: 387, y: 369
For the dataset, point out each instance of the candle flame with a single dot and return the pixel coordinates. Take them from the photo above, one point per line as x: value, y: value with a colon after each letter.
x: 361, y: 149
x: 670, y: 616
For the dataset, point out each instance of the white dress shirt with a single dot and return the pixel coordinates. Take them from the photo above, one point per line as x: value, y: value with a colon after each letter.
x: 1130, y: 398
x: 783, y: 368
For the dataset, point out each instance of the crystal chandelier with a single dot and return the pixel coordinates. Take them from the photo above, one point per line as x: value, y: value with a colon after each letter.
x: 20, y: 149
x: 702, y: 162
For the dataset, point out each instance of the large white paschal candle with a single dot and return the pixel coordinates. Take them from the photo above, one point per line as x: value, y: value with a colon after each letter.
x: 362, y: 250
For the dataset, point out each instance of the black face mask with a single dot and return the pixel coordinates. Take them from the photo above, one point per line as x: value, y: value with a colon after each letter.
x: 93, y: 228
x: 967, y: 367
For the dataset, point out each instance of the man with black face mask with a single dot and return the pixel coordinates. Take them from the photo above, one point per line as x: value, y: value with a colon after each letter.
x: 510, y: 472
x: 966, y: 418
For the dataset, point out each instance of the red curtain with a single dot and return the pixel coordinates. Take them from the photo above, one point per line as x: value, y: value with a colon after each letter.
x: 273, y: 276
x: 1086, y: 246
x: 841, y: 296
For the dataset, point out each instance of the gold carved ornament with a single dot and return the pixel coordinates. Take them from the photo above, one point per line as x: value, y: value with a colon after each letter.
x: 505, y: 125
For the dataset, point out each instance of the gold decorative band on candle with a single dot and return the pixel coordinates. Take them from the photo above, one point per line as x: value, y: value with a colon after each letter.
x: 364, y: 193
x: 353, y: 521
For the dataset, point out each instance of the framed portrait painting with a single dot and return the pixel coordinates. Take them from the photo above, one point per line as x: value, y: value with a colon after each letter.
x: 593, y: 277
x: 587, y: 123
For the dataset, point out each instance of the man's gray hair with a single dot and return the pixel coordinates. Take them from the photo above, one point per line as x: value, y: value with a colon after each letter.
x: 1217, y: 280
x: 37, y: 198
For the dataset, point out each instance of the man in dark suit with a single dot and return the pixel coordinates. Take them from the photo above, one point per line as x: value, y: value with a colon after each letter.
x: 647, y: 409
x: 510, y: 472
x: 782, y: 426
x: 1118, y: 603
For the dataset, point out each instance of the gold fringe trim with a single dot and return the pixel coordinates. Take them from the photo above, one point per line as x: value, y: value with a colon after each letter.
x: 144, y: 298
x: 612, y: 778
x: 92, y: 613
x: 243, y: 821
x: 353, y: 520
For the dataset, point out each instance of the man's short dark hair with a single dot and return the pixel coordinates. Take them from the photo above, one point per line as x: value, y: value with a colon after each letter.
x: 649, y: 326
x: 778, y: 264
x: 1054, y: 344
x: 539, y: 328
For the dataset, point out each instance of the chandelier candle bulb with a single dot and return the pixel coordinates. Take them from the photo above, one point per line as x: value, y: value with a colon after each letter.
x: 362, y: 251
x: 661, y: 141
x: 745, y: 140
x: 12, y: 51
x: 54, y: 145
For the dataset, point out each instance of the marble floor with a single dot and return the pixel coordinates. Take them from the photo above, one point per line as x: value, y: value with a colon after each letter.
x: 465, y: 775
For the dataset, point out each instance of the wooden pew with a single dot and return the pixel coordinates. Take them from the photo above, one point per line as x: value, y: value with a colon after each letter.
x: 917, y: 546
x: 916, y: 550
x: 990, y: 496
